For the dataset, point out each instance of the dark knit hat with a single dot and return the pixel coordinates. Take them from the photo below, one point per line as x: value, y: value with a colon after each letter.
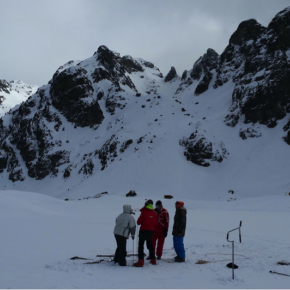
x: 158, y: 202
x: 149, y: 201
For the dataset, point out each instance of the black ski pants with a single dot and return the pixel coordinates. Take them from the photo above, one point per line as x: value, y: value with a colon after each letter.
x: 120, y: 254
x: 145, y: 236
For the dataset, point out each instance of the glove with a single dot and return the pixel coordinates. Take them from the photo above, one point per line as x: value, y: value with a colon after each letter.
x: 133, y: 237
x: 165, y: 231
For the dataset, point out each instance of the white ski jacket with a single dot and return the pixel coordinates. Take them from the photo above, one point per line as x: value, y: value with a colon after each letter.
x: 125, y: 223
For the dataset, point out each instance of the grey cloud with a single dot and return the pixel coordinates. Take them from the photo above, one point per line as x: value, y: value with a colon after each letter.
x: 39, y: 36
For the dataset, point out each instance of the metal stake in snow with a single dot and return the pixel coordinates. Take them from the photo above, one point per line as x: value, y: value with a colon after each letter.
x: 233, y: 255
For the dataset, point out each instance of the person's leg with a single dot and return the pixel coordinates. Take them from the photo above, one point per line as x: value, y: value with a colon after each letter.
x: 122, y: 251
x: 175, y: 245
x: 160, y: 244
x: 154, y: 239
x: 149, y: 244
x: 180, y: 247
x: 141, y: 248
x: 116, y: 257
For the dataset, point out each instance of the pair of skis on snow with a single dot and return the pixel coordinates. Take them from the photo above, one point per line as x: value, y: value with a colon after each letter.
x: 111, y: 257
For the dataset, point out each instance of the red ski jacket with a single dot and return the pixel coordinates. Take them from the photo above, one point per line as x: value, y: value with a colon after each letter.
x: 163, y: 220
x: 147, y: 219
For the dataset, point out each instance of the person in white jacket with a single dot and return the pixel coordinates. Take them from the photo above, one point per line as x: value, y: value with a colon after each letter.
x: 125, y: 224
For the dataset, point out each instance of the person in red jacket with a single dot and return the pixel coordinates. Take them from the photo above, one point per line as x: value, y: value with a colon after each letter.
x: 148, y: 221
x: 161, y: 230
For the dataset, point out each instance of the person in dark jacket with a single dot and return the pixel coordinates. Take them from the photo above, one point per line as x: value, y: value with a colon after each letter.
x: 178, y: 231
x: 148, y: 222
x: 161, y: 230
x: 125, y: 224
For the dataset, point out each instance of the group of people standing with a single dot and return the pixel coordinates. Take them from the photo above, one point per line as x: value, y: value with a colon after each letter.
x: 154, y: 223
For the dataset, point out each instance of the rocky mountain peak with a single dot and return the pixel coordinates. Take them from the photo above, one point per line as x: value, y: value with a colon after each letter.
x: 171, y: 75
x: 247, y: 30
x: 205, y: 63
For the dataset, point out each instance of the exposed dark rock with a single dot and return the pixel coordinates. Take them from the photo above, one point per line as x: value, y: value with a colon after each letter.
x: 203, y: 85
x: 204, y: 66
x: 148, y: 64
x: 115, y: 68
x: 131, y: 193
x: 5, y: 86
x: 100, y: 95
x: 108, y: 151
x: 48, y: 164
x: 3, y: 159
x: 249, y: 133
x: 199, y: 150
x: 171, y: 75
x: 113, y: 102
x: 87, y: 168
x: 125, y: 145
x: 184, y: 75
x: 70, y: 91
x: 168, y: 196
x: 247, y: 30
x: 256, y: 61
x: 132, y: 65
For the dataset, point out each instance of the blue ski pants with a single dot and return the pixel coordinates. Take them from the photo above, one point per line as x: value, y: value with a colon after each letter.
x: 179, y: 246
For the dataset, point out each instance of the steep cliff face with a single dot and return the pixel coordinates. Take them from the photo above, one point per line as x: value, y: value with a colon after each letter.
x: 256, y: 59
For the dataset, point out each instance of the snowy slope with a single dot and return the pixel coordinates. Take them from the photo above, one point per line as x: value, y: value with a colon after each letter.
x: 41, y: 234
x: 13, y: 93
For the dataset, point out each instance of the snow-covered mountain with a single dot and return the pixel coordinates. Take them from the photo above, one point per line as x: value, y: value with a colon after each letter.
x: 13, y: 93
x: 115, y: 123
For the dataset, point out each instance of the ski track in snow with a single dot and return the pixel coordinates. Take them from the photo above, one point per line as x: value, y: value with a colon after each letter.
x: 42, y: 233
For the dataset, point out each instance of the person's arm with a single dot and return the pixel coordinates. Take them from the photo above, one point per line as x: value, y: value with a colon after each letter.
x: 166, y: 224
x: 182, y: 223
x: 140, y: 219
x: 132, y: 227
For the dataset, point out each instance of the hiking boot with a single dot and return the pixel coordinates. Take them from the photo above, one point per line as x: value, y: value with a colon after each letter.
x: 140, y: 263
x: 153, y: 262
x: 180, y: 260
x: 158, y: 257
x: 176, y: 257
x: 148, y: 258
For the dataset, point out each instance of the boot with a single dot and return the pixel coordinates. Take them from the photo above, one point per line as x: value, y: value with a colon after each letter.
x: 140, y: 263
x: 176, y: 258
x: 153, y: 262
x: 148, y: 258
x: 158, y: 257
x: 180, y: 260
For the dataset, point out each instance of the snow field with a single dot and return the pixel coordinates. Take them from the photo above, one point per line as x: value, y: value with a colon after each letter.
x: 40, y: 234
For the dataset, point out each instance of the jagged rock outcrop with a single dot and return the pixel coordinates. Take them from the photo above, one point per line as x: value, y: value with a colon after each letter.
x: 257, y: 61
x: 199, y: 150
x: 72, y: 94
x: 202, y: 72
x: 171, y: 75
x: 250, y: 132
x: 5, y: 86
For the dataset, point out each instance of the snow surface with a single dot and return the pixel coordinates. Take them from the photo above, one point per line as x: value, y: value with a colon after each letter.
x: 39, y: 235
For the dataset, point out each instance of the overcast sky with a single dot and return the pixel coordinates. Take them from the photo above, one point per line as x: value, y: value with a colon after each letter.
x: 38, y: 36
